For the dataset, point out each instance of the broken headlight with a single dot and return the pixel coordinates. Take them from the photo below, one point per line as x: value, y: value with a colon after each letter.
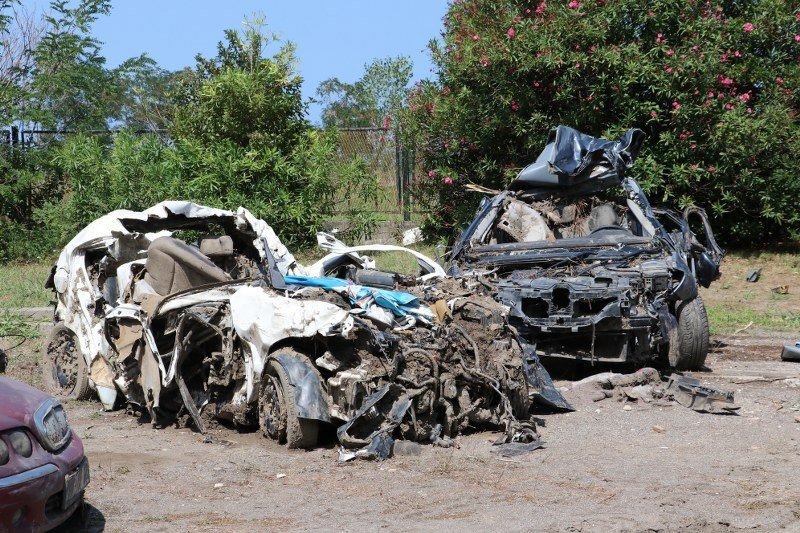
x: 51, y: 425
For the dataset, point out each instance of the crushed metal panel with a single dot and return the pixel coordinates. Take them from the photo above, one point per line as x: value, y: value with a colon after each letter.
x: 691, y: 393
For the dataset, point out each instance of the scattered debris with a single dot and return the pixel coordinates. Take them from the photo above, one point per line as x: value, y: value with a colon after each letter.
x: 791, y: 352
x: 646, y: 386
x: 280, y: 476
x: 781, y: 289
x: 754, y: 275
x: 740, y: 330
x: 659, y: 429
x: 513, y: 449
x: 412, y: 236
x: 691, y: 393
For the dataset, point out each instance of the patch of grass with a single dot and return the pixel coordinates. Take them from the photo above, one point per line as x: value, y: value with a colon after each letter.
x: 14, y: 325
x: 22, y: 285
x: 727, y: 319
x: 399, y: 262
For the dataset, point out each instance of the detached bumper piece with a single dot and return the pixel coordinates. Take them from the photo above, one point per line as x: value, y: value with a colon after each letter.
x: 689, y: 392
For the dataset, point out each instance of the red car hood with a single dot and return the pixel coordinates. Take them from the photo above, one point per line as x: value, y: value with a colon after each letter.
x: 18, y: 402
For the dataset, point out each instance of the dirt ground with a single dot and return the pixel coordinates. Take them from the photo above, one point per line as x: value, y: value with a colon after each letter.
x: 604, y: 467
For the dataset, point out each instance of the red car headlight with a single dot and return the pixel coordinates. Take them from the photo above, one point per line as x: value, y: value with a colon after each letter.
x: 21, y: 443
x: 51, y: 425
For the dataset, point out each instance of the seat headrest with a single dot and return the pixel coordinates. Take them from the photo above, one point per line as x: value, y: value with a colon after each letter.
x: 217, y: 246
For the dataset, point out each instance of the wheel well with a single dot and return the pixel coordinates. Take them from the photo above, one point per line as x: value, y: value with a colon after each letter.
x: 308, y: 347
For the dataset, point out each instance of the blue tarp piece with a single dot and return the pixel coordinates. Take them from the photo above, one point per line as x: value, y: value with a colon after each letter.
x: 398, y: 302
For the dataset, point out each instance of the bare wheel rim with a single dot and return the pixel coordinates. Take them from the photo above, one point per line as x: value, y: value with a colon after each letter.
x: 64, y: 361
x: 271, y: 413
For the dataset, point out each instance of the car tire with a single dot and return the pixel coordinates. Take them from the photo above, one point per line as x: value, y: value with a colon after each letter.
x: 278, y: 412
x: 63, y: 365
x: 693, y: 336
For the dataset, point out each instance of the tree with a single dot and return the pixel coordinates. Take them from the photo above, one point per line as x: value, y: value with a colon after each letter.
x: 373, y: 100
x: 20, y: 33
x: 239, y: 137
x: 713, y: 85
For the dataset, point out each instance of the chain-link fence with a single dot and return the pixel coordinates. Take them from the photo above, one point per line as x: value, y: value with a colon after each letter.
x: 388, y: 160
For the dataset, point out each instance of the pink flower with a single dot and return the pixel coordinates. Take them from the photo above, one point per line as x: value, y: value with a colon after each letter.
x: 431, y: 173
x: 748, y: 27
x: 727, y: 82
x: 749, y: 109
x: 693, y: 146
x: 668, y: 70
x: 476, y: 37
x: 660, y: 38
x: 711, y: 170
x: 653, y: 114
x: 448, y: 180
x: 693, y: 167
x: 484, y: 62
x: 797, y: 38
x: 728, y: 106
x: 720, y: 95
x: 676, y: 106
x: 737, y: 53
x: 685, y: 135
x: 707, y: 103
x: 574, y: 4
x: 670, y: 52
x: 540, y: 8
x: 745, y: 97
x: 778, y: 80
x: 514, y: 105
x: 511, y: 33
x: 386, y: 121
x: 711, y: 94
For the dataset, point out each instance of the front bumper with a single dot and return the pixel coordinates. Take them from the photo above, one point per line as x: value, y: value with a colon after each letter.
x: 587, y: 320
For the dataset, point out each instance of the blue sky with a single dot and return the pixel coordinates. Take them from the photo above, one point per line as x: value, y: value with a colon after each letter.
x: 333, y: 37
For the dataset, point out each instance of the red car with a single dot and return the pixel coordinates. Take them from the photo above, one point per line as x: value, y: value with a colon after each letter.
x: 43, y: 471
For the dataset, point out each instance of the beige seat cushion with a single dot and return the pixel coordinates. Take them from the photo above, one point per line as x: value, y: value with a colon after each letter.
x: 174, y: 266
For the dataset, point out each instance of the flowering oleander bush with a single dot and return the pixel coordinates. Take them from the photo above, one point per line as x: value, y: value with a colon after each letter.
x: 714, y: 85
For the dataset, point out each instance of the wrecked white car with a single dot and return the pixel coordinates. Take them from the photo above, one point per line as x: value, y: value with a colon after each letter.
x: 586, y: 267
x: 191, y: 314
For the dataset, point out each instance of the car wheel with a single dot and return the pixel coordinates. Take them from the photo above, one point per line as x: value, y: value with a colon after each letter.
x: 63, y: 365
x: 278, y: 412
x: 692, y: 335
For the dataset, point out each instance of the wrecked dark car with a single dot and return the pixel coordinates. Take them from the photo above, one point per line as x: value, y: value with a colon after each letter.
x: 587, y: 267
x: 189, y: 314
